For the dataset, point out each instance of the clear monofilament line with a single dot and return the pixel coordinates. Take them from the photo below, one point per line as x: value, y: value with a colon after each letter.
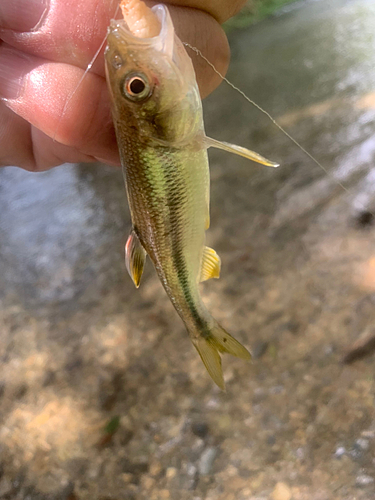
x: 295, y: 142
x: 89, y: 66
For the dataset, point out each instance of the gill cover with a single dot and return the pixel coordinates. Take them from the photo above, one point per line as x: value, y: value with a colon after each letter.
x: 169, y: 110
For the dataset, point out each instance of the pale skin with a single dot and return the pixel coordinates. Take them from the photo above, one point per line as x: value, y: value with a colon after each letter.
x: 49, y: 115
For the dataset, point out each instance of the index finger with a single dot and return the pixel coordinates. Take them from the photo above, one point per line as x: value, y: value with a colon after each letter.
x: 71, y: 32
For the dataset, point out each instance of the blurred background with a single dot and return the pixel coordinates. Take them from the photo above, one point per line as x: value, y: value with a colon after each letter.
x: 102, y: 395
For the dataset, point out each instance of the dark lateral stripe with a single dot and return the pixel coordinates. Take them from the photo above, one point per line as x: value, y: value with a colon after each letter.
x: 179, y: 261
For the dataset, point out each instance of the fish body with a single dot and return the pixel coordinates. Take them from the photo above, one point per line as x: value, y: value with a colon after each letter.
x: 158, y: 119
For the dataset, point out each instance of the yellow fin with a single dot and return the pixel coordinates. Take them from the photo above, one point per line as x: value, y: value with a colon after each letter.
x: 239, y: 150
x: 211, y: 264
x: 212, y: 361
x: 216, y: 342
x: 135, y: 256
x: 207, y: 220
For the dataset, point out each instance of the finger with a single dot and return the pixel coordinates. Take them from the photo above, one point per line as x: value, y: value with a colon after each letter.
x: 38, y: 90
x: 70, y: 31
x: 205, y: 34
x: 60, y: 38
x: 14, y: 138
x: 27, y: 147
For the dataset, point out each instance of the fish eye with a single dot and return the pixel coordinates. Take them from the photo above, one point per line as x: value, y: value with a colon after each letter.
x: 136, y: 87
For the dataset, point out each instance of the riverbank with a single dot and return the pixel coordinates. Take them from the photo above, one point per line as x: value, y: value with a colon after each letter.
x: 254, y: 11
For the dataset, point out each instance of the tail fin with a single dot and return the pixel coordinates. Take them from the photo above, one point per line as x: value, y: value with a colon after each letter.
x: 211, y: 345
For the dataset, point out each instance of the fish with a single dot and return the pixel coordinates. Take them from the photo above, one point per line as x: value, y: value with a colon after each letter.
x: 157, y: 114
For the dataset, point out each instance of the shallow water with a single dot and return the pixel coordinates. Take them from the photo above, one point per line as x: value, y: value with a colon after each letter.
x: 80, y: 346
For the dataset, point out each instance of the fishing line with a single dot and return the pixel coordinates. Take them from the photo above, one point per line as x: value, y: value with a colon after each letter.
x: 253, y: 103
x: 295, y: 142
x: 88, y: 68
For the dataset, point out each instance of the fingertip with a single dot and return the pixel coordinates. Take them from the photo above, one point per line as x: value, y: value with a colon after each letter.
x: 69, y: 106
x: 202, y: 31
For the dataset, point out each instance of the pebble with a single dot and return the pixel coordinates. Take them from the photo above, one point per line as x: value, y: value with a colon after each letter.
x: 147, y: 482
x: 281, y: 492
x: 171, y: 472
x: 206, y: 460
x: 368, y: 434
x: 259, y: 348
x: 191, y: 470
x: 340, y: 451
x: 126, y: 477
x: 155, y: 468
x: 363, y: 480
x: 363, y: 444
x: 300, y: 453
x: 200, y: 429
x: 5, y: 487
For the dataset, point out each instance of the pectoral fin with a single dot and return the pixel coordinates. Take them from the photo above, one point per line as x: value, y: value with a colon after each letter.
x: 211, y: 265
x: 135, y: 256
x: 239, y: 150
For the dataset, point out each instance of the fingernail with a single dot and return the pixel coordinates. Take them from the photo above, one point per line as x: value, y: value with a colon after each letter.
x: 22, y: 15
x: 13, y: 68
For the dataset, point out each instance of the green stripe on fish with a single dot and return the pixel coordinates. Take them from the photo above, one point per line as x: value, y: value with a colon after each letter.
x: 163, y: 149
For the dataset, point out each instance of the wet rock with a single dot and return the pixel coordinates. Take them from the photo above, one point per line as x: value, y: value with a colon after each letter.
x: 6, y: 488
x: 20, y: 391
x: 49, y: 378
x: 74, y: 364
x: 364, y: 346
x: 77, y: 467
x: 363, y: 480
x: 281, y: 492
x: 125, y: 436
x: 155, y: 469
x: 136, y: 468
x: 191, y: 470
x: 292, y: 327
x: 109, y: 391
x: 200, y: 429
x: 206, y: 460
x: 271, y: 440
x: 340, y: 452
x: 72, y: 496
x: 362, y: 444
x: 365, y: 219
x: 259, y: 395
x: 171, y: 472
x: 67, y: 492
x: 259, y: 348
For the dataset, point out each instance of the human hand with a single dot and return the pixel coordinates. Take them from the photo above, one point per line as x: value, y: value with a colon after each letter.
x: 49, y: 113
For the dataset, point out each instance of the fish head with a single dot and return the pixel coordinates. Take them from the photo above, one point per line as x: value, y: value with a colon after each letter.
x: 152, y: 83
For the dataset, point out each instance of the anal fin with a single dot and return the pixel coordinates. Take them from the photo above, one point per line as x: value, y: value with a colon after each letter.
x: 135, y: 256
x: 211, y: 264
x: 207, y: 225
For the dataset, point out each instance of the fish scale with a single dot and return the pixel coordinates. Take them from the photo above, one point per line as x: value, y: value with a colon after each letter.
x: 157, y: 113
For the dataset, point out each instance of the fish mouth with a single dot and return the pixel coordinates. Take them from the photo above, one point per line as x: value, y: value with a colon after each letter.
x: 119, y: 33
x: 121, y: 39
